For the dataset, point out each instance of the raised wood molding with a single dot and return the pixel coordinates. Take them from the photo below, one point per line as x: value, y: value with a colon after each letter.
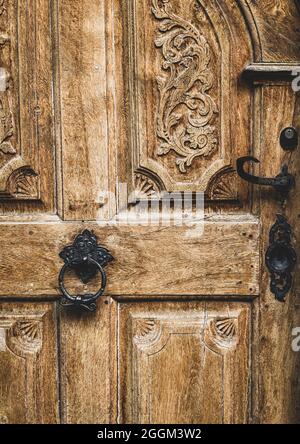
x: 271, y: 71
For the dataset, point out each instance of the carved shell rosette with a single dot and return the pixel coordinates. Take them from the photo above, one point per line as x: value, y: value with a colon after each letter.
x: 145, y: 187
x: 24, y: 184
x: 145, y: 330
x: 25, y: 337
x: 222, y: 334
x: 223, y: 186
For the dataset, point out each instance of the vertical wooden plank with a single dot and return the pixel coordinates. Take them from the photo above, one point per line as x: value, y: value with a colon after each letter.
x: 82, y: 91
x: 85, y: 364
x: 278, y: 364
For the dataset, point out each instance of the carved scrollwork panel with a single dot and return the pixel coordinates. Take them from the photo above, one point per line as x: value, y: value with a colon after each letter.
x: 184, y: 94
x: 186, y: 110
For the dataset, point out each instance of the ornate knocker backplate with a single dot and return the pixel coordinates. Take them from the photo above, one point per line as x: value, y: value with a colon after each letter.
x: 281, y: 258
x: 85, y: 257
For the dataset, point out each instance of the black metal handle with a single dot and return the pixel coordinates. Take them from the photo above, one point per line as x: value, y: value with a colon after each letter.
x: 86, y: 258
x: 282, y: 183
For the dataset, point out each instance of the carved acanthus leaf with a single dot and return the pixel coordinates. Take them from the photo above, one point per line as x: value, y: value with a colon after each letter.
x: 186, y: 111
x: 6, y: 118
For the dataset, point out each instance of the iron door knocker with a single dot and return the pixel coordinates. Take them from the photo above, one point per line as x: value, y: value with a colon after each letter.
x: 86, y: 258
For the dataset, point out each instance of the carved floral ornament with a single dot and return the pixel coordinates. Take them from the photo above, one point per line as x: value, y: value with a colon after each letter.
x: 186, y: 111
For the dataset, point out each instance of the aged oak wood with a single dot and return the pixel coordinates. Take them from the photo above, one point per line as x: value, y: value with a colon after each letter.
x: 28, y: 363
x: 148, y: 260
x: 163, y: 96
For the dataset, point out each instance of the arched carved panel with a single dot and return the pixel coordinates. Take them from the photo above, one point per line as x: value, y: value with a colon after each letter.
x: 174, y: 357
x: 188, y: 108
x: 26, y: 133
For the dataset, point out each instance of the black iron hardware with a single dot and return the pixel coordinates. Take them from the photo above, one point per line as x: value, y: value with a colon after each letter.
x: 282, y: 183
x: 86, y: 258
x: 289, y: 139
x: 281, y: 258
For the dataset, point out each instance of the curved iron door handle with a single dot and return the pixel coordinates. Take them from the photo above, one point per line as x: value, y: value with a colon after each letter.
x: 282, y: 183
x: 86, y: 258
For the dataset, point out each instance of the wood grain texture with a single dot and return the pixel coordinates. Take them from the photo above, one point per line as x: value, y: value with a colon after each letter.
x: 223, y: 260
x: 183, y: 363
x: 188, y: 330
x: 82, y: 93
x: 278, y: 364
x: 85, y: 356
x: 26, y: 129
x: 282, y: 15
x: 28, y: 364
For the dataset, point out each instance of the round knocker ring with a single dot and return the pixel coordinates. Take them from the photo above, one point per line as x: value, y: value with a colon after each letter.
x: 87, y: 301
x: 85, y: 257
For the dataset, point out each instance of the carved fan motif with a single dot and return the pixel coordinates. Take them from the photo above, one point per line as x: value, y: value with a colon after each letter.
x: 223, y: 186
x: 28, y: 330
x: 23, y: 183
x: 222, y: 334
x: 226, y: 328
x: 143, y: 327
x: 25, y: 336
x: 185, y: 110
x: 145, y: 187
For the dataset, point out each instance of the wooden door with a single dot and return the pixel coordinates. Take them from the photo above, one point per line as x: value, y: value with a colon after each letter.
x: 163, y: 96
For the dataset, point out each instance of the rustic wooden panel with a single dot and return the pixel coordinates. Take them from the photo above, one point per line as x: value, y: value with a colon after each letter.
x: 223, y: 260
x: 84, y: 108
x: 28, y: 366
x: 26, y: 130
x: 183, y: 362
x: 184, y: 99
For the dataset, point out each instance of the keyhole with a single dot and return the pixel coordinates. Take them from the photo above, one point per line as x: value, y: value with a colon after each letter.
x: 289, y: 139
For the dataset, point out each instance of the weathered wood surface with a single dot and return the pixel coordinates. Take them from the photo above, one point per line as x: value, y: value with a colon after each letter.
x: 28, y: 364
x: 87, y: 104
x: 148, y: 260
